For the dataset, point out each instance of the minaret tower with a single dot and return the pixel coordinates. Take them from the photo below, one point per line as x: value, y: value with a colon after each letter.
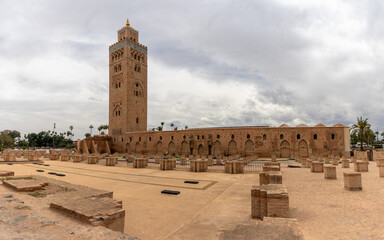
x: 127, y: 84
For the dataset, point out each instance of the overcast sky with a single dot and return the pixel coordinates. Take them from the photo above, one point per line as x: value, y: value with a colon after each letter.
x: 210, y: 63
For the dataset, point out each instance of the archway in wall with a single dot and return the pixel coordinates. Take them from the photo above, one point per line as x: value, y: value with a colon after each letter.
x: 171, y: 149
x: 159, y: 147
x: 184, y: 148
x: 200, y: 150
x: 217, y: 149
x: 303, y: 148
x: 249, y: 148
x: 138, y: 148
x: 232, y: 148
x: 285, y: 150
x: 128, y: 148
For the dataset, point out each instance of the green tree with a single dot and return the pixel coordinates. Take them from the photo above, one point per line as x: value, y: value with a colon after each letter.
x: 101, y: 127
x: 362, y: 129
x: 87, y: 135
x: 90, y: 129
x: 186, y: 127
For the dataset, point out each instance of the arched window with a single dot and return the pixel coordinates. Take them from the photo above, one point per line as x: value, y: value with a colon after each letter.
x: 115, y: 68
x: 139, y: 139
x: 198, y: 137
x: 119, y: 85
x: 138, y: 58
x: 232, y: 136
x: 218, y: 136
x: 333, y: 136
x: 122, y: 139
x: 315, y: 136
x: 116, y: 85
x: 135, y: 56
x: 264, y: 137
x: 171, y: 137
x: 119, y: 67
x: 161, y: 138
x: 202, y: 136
x: 137, y: 93
x: 298, y: 136
x: 150, y: 139
x: 184, y: 137
x: 137, y: 120
x: 248, y: 136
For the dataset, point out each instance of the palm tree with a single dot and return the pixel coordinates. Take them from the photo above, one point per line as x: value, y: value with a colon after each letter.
x: 71, y: 129
x: 362, y: 128
x: 171, y: 125
x: 90, y: 128
x: 377, y: 136
x: 87, y: 135
x: 101, y: 127
x: 186, y: 127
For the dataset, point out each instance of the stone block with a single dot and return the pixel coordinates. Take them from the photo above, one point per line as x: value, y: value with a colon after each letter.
x: 270, y: 178
x: 380, y: 162
x: 354, y: 159
x: 273, y: 157
x: 198, y: 165
x: 317, y: 167
x: 77, y: 158
x: 274, y: 166
x: 352, y: 181
x: 234, y: 167
x: 269, y: 201
x: 335, y: 161
x: 140, y: 163
x: 33, y: 157
x: 10, y: 157
x: 308, y: 163
x: 361, y: 166
x: 110, y: 161
x: 330, y: 172
x: 210, y: 162
x: 167, y: 164
x: 183, y: 161
x: 345, y: 163
x: 93, y: 159
x: 54, y: 156
x: 65, y: 157
x: 381, y: 170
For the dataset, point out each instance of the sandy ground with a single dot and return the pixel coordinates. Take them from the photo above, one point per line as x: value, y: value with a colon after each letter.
x: 221, y: 202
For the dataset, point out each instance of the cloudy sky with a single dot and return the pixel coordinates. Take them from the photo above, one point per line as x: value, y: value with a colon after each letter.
x: 211, y: 63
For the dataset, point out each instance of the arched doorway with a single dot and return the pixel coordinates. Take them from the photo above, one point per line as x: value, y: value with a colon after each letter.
x: 249, y: 148
x: 285, y: 150
x: 303, y: 148
x: 200, y: 150
x: 137, y: 148
x: 184, y: 148
x: 232, y: 148
x: 159, y: 148
x: 128, y: 148
x: 217, y: 149
x: 171, y: 149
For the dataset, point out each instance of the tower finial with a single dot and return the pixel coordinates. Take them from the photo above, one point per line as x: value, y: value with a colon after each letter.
x: 127, y: 23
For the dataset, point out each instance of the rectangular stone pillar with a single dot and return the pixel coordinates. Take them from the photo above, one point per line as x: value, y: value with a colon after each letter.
x: 361, y: 166
x: 93, y: 159
x: 198, y: 165
x: 270, y: 178
x: 329, y: 172
x: 308, y: 163
x: 352, y: 181
x: 167, y: 164
x: 77, y: 158
x: 335, y: 161
x: 54, y: 156
x: 140, y: 163
x: 345, y: 163
x: 234, y: 167
x: 269, y: 201
x: 317, y: 167
x: 64, y: 157
x: 33, y: 157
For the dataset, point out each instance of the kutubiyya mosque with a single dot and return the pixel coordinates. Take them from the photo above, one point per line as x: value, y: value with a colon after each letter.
x: 128, y: 71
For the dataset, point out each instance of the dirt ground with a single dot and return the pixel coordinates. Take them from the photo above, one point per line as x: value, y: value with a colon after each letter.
x: 219, y: 206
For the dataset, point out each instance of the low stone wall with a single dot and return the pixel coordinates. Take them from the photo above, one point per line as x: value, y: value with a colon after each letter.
x: 54, y: 156
x: 65, y: 157
x: 33, y: 157
x: 269, y: 201
x: 352, y: 181
x: 10, y: 157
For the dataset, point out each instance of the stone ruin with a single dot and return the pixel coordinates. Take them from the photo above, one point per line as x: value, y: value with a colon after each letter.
x: 269, y: 201
x: 352, y: 181
x: 93, y: 206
